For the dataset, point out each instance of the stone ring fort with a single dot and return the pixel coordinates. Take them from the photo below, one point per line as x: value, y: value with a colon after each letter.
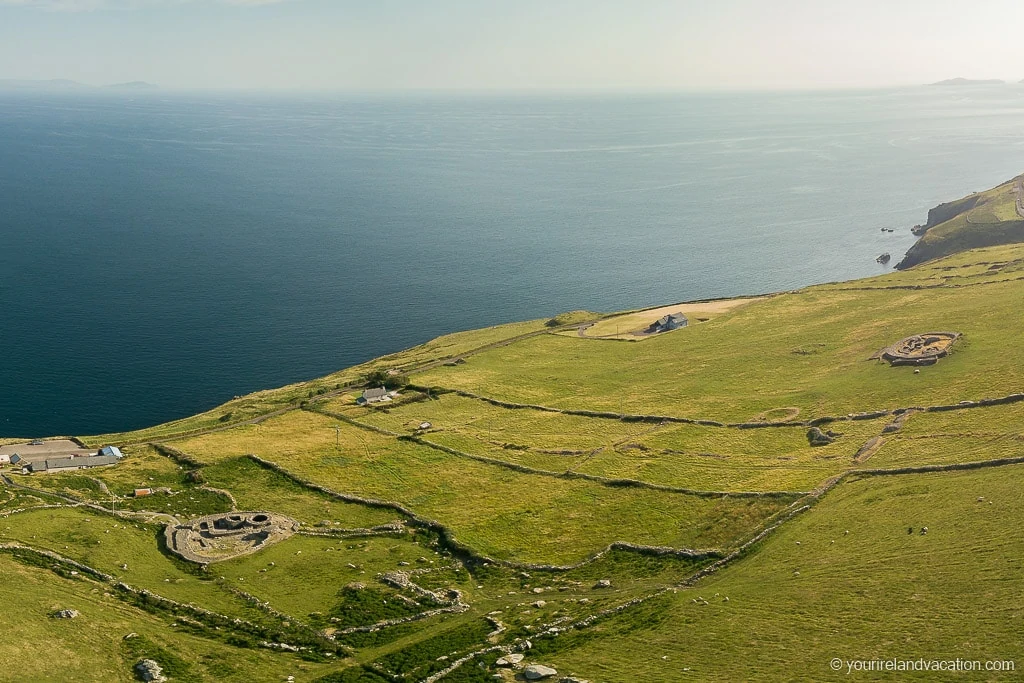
x: 920, y: 349
x: 215, y: 538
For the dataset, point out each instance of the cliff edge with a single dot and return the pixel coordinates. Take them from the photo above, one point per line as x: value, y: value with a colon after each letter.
x: 982, y: 219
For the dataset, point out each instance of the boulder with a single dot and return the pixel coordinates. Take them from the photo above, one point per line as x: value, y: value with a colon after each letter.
x: 509, y: 660
x: 816, y: 437
x: 65, y: 614
x: 603, y: 583
x: 537, y: 672
x: 573, y: 679
x: 148, y: 670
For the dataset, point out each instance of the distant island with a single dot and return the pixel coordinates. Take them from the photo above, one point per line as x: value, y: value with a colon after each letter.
x: 969, y: 81
x: 134, y: 85
x: 64, y: 84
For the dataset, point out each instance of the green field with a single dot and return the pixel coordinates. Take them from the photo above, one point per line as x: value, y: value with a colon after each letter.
x: 875, y: 592
x: 553, y: 462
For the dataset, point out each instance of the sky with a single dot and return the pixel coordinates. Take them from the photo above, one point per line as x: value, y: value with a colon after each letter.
x: 511, y: 44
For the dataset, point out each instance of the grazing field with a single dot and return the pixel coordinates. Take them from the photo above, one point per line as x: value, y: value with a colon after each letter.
x: 959, y: 436
x: 499, y: 512
x: 810, y: 350
x: 813, y: 591
x: 591, y: 505
x: 98, y: 646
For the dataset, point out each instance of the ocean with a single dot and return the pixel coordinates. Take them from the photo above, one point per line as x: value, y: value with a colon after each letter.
x: 161, y: 253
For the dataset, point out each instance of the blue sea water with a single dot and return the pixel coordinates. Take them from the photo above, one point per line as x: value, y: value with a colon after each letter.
x: 160, y: 254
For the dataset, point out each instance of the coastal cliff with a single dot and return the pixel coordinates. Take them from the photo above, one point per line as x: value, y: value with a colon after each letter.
x: 982, y: 219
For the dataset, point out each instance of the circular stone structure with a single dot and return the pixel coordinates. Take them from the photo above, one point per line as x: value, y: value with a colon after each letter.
x: 215, y: 538
x: 920, y: 349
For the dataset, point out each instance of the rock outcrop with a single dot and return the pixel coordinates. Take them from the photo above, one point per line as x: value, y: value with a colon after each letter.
x: 538, y: 672
x: 816, y: 437
x: 65, y: 614
x: 149, y: 670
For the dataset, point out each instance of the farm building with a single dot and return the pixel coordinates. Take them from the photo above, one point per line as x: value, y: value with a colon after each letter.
x: 374, y: 395
x: 668, y: 323
x: 5, y: 460
x: 68, y: 464
x: 15, y: 459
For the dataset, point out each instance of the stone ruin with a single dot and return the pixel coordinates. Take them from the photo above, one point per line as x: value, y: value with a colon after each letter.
x: 215, y: 538
x: 920, y: 349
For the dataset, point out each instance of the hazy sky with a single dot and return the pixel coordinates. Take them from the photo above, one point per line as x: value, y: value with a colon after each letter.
x: 369, y: 44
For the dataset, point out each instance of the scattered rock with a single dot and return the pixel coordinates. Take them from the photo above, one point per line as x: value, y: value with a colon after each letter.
x: 65, y: 614
x: 538, y: 590
x: 536, y: 672
x: 816, y: 437
x: 148, y: 670
x: 539, y: 604
x: 573, y: 679
x: 509, y: 660
x: 524, y: 646
x: 603, y: 583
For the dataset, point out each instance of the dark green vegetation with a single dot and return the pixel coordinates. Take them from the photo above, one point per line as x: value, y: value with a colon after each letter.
x: 644, y: 511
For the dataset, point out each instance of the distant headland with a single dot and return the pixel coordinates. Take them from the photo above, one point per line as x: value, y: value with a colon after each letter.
x: 64, y: 85
x: 970, y: 81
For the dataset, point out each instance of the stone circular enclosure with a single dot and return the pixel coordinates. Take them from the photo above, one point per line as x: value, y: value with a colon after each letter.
x: 920, y: 349
x: 215, y: 538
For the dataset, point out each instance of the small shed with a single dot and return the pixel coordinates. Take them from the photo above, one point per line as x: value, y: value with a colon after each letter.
x: 112, y: 451
x: 5, y: 460
x: 15, y: 459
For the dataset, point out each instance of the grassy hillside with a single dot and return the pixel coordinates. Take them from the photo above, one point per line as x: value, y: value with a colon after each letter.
x: 597, y: 498
x: 855, y: 579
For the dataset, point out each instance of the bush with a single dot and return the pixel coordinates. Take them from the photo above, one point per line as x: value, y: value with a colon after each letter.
x: 384, y: 378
